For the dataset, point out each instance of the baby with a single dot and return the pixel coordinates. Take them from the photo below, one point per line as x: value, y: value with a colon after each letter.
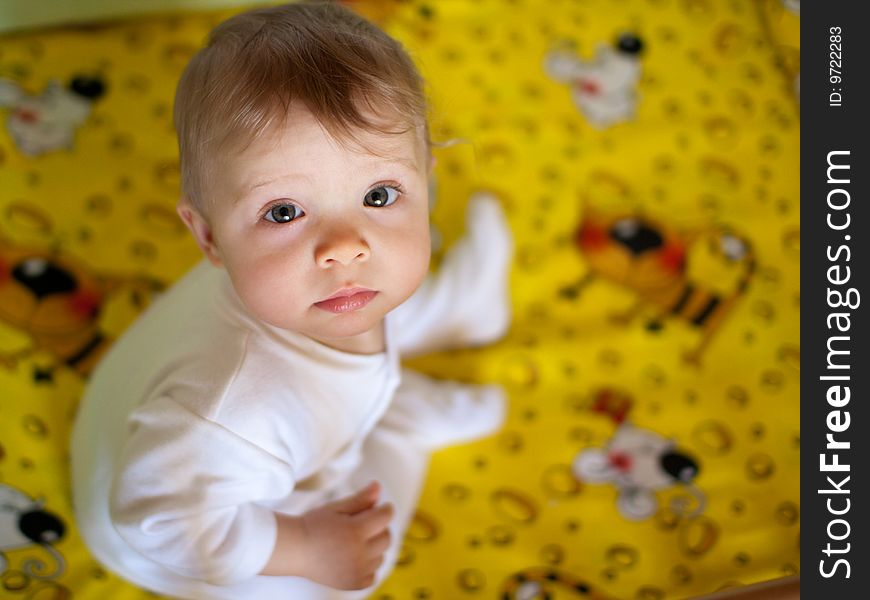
x: 253, y: 434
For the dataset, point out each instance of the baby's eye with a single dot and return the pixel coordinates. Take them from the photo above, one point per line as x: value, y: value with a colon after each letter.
x: 283, y: 213
x: 383, y: 195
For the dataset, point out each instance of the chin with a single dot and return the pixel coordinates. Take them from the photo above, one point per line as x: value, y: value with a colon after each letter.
x: 347, y: 326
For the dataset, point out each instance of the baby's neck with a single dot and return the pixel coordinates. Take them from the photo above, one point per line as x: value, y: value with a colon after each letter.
x: 370, y: 342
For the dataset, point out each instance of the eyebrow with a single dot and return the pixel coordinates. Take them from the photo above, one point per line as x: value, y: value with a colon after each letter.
x: 407, y: 163
x: 274, y: 179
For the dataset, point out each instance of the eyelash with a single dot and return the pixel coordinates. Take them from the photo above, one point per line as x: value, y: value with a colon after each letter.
x: 391, y: 184
x: 269, y: 208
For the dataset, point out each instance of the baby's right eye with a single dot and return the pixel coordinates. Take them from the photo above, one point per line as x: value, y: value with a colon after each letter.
x: 283, y: 213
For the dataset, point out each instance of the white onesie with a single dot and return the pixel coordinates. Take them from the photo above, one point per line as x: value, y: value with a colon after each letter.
x: 202, y: 422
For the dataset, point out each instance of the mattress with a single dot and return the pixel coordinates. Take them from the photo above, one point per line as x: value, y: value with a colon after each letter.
x: 647, y: 153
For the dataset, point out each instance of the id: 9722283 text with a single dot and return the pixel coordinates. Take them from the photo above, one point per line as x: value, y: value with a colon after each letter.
x: 835, y: 70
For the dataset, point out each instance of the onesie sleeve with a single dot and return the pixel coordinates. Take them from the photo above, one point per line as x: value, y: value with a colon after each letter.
x: 467, y: 301
x: 186, y: 495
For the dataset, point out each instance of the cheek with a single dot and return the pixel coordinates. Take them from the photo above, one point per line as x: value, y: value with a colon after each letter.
x: 269, y: 287
x: 418, y: 265
x: 411, y: 252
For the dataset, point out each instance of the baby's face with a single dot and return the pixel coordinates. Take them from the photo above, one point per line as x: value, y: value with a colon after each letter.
x: 299, y: 219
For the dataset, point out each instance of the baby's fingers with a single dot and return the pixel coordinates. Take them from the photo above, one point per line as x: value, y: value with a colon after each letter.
x: 379, y: 544
x: 358, y: 502
x: 374, y: 566
x: 375, y: 520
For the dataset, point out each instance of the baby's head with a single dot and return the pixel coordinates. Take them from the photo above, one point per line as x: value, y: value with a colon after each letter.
x: 305, y: 158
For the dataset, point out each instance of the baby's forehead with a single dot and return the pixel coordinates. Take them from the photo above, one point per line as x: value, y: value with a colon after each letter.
x: 392, y: 142
x: 301, y: 148
x: 377, y: 147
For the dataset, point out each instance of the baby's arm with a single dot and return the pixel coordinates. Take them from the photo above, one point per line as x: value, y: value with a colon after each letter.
x: 467, y: 301
x: 190, y: 496
x: 340, y: 544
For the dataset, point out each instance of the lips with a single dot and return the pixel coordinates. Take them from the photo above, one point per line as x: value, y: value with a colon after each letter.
x: 347, y: 300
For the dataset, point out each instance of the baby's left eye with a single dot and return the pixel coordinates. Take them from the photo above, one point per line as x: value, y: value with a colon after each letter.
x: 383, y: 195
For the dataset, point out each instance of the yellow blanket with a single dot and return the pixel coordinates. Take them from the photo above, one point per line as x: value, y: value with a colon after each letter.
x: 647, y: 152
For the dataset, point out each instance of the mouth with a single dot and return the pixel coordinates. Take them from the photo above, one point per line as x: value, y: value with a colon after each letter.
x: 347, y: 300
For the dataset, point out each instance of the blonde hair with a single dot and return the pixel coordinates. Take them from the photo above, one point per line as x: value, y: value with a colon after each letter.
x: 255, y: 64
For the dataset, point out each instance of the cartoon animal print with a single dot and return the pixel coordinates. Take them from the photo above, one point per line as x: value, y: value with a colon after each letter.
x: 650, y: 258
x: 57, y: 301
x: 603, y: 88
x: 639, y: 462
x: 48, y: 121
x: 24, y: 523
x: 538, y: 582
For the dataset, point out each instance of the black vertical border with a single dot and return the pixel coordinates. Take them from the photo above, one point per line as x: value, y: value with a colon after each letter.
x: 828, y: 128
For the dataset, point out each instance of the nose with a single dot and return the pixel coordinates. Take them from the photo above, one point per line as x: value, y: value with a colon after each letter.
x: 636, y: 236
x: 40, y: 526
x: 341, y: 246
x: 43, y: 278
x: 679, y: 466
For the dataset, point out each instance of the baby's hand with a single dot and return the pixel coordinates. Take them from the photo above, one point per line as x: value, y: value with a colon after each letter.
x: 346, y: 540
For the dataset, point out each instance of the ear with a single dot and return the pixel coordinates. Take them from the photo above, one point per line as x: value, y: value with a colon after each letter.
x: 636, y: 504
x: 200, y: 229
